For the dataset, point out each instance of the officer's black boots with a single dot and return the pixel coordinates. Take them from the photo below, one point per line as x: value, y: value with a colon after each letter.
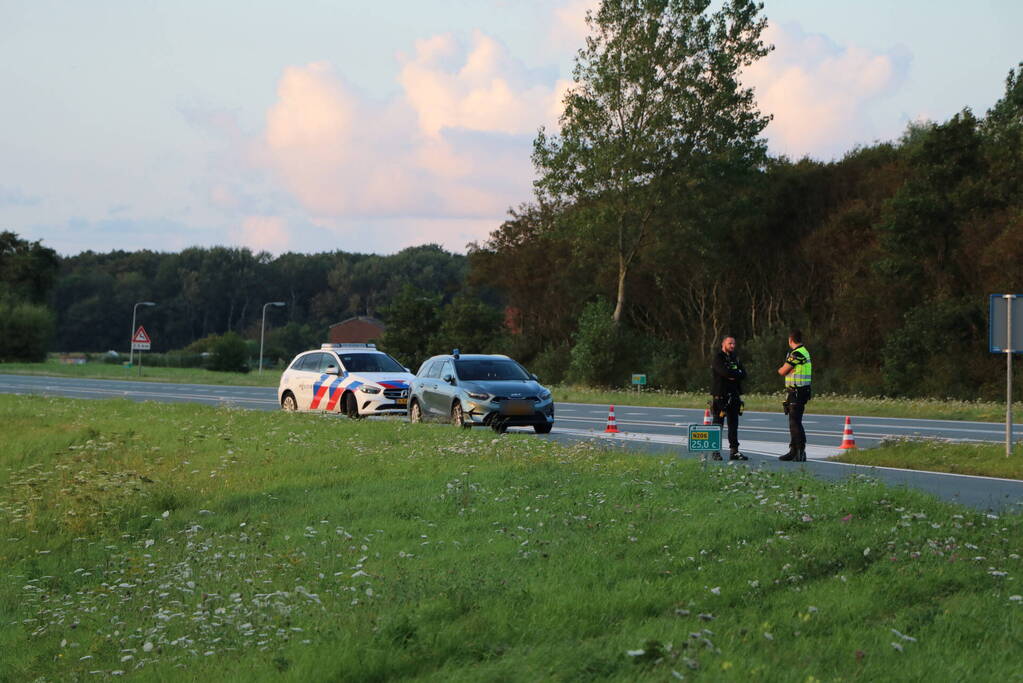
x: 736, y: 455
x: 794, y: 455
x: 716, y: 455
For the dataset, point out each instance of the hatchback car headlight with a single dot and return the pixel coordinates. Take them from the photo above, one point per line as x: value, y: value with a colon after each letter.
x: 478, y: 396
x: 369, y: 390
x: 544, y: 394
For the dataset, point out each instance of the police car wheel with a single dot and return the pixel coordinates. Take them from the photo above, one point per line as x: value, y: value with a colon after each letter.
x: 350, y: 406
x: 458, y: 417
x: 289, y: 403
x: 415, y: 412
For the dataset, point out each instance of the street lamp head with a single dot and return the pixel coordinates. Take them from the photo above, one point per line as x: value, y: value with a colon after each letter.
x: 277, y: 303
x: 146, y: 303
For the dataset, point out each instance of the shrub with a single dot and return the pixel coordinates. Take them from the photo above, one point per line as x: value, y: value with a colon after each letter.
x: 596, y: 346
x: 25, y: 331
x: 230, y: 354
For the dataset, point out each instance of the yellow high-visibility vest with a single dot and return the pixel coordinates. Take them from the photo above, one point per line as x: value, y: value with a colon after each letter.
x: 800, y: 377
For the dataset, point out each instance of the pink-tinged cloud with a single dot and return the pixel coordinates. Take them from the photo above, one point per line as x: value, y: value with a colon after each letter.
x: 490, y: 91
x: 263, y: 233
x: 820, y: 93
x: 569, y: 26
x: 454, y: 144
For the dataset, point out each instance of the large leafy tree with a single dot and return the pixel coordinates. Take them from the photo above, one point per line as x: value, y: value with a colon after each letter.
x: 656, y: 101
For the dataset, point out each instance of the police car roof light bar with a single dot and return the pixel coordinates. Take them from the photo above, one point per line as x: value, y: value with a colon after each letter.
x: 346, y: 345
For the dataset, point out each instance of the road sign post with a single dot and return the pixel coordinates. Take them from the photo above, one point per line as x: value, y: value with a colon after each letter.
x: 1005, y: 335
x: 704, y: 439
x: 140, y: 342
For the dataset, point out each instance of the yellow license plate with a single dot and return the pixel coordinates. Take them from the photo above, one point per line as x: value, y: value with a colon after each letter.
x: 402, y: 401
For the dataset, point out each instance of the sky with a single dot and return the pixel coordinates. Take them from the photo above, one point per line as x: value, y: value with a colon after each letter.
x: 322, y: 125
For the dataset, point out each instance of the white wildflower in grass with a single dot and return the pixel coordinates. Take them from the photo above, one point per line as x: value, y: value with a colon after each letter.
x: 807, y: 518
x: 768, y: 635
x: 166, y: 514
x: 147, y: 646
x: 910, y: 639
x: 994, y: 572
x: 716, y: 590
x: 866, y: 551
x: 897, y: 646
x: 1016, y: 598
x: 635, y: 653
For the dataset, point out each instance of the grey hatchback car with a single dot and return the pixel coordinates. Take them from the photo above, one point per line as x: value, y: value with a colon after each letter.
x: 480, y: 390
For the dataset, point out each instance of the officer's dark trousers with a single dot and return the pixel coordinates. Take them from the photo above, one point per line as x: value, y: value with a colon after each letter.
x: 797, y: 404
x: 731, y: 411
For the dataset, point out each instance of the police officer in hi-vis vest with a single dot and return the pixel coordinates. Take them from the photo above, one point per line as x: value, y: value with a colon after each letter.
x: 796, y: 370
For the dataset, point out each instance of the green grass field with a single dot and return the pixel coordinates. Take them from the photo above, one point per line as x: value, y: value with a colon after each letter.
x: 269, y: 378
x: 987, y: 460
x: 828, y: 404
x: 179, y: 542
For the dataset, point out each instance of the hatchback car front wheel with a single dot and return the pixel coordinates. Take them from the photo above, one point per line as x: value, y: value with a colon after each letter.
x: 458, y: 416
x: 415, y: 412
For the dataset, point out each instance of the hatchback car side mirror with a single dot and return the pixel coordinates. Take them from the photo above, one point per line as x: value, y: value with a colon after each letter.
x: 331, y: 370
x: 450, y: 379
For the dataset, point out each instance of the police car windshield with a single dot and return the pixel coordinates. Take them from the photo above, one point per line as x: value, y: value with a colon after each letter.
x: 370, y: 362
x: 483, y: 370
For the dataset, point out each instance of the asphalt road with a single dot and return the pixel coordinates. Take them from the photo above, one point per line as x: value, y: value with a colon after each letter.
x: 763, y: 436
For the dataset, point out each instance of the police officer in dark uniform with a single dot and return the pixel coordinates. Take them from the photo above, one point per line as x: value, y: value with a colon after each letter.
x: 726, y: 375
x: 797, y: 371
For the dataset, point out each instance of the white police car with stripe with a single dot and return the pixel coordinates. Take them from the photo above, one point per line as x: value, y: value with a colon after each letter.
x: 355, y: 379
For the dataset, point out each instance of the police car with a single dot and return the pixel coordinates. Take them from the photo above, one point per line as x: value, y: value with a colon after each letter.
x: 354, y: 379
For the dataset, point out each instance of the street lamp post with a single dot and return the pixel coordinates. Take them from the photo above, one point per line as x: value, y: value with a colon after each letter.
x: 262, y: 327
x: 131, y: 343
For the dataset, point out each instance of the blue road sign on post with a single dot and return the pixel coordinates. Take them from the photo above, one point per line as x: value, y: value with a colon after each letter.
x: 704, y: 438
x: 1005, y: 310
x: 1005, y: 335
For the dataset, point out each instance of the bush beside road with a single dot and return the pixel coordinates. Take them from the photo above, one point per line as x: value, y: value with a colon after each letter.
x: 244, y: 545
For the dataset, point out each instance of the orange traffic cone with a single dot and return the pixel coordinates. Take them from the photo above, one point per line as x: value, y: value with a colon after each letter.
x: 706, y: 417
x: 612, y: 426
x: 848, y: 441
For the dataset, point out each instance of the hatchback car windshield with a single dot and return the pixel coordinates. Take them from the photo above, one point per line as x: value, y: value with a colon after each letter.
x: 482, y: 370
x: 370, y: 362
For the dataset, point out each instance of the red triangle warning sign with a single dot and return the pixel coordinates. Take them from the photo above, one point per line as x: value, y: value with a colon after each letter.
x: 141, y: 336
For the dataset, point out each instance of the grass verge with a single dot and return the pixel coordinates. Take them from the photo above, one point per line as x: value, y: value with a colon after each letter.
x: 269, y: 378
x: 176, y: 542
x: 986, y: 460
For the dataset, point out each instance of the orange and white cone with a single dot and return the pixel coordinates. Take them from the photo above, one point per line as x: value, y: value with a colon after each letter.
x: 848, y: 441
x: 612, y: 426
x: 706, y: 417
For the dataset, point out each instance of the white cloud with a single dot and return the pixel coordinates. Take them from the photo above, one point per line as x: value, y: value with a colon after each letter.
x: 821, y: 92
x: 569, y: 26
x: 263, y: 233
x: 454, y: 145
